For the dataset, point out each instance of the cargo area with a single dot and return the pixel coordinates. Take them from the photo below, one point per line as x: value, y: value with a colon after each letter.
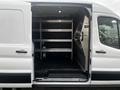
x: 60, y: 35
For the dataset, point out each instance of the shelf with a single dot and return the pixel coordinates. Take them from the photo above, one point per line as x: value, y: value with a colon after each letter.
x: 57, y: 50
x: 53, y: 40
x: 57, y: 40
x: 53, y: 21
x: 54, y: 50
x: 57, y: 21
x: 56, y: 30
x: 52, y: 30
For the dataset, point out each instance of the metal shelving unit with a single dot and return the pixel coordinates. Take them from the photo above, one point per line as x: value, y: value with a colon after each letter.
x: 56, y: 29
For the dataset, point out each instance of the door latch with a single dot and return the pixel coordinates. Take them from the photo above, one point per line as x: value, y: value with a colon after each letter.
x: 101, y: 51
x: 21, y: 51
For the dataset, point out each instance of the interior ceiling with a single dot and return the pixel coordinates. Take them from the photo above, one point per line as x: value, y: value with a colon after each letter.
x: 44, y: 11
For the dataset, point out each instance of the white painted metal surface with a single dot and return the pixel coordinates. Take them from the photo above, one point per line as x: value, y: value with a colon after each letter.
x: 15, y: 35
x: 103, y: 62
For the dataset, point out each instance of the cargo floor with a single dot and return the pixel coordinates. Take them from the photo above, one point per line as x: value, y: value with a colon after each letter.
x: 59, y: 69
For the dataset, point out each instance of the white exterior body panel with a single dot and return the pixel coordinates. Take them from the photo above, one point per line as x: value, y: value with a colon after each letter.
x: 103, y: 62
x: 14, y: 85
x: 15, y: 35
x: 110, y: 61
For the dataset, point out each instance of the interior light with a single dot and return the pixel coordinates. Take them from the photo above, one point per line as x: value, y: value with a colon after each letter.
x: 59, y: 20
x: 59, y: 11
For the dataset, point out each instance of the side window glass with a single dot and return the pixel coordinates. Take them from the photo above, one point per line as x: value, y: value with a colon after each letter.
x: 119, y: 30
x: 108, y: 31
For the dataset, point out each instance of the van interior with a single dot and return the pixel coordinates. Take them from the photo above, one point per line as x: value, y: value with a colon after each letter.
x: 60, y: 34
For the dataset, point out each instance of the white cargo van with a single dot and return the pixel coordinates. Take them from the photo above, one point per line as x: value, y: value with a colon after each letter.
x: 58, y: 44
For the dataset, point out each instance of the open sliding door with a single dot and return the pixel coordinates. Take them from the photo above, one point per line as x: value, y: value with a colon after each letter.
x: 85, y: 41
x: 16, y: 61
x: 82, y: 43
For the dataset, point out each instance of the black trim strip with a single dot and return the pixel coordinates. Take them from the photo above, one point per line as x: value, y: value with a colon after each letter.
x: 105, y: 75
x: 15, y: 78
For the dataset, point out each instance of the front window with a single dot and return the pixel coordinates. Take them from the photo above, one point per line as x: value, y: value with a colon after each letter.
x: 108, y: 31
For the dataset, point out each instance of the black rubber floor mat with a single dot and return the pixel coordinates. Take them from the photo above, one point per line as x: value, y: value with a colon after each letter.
x: 68, y: 75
